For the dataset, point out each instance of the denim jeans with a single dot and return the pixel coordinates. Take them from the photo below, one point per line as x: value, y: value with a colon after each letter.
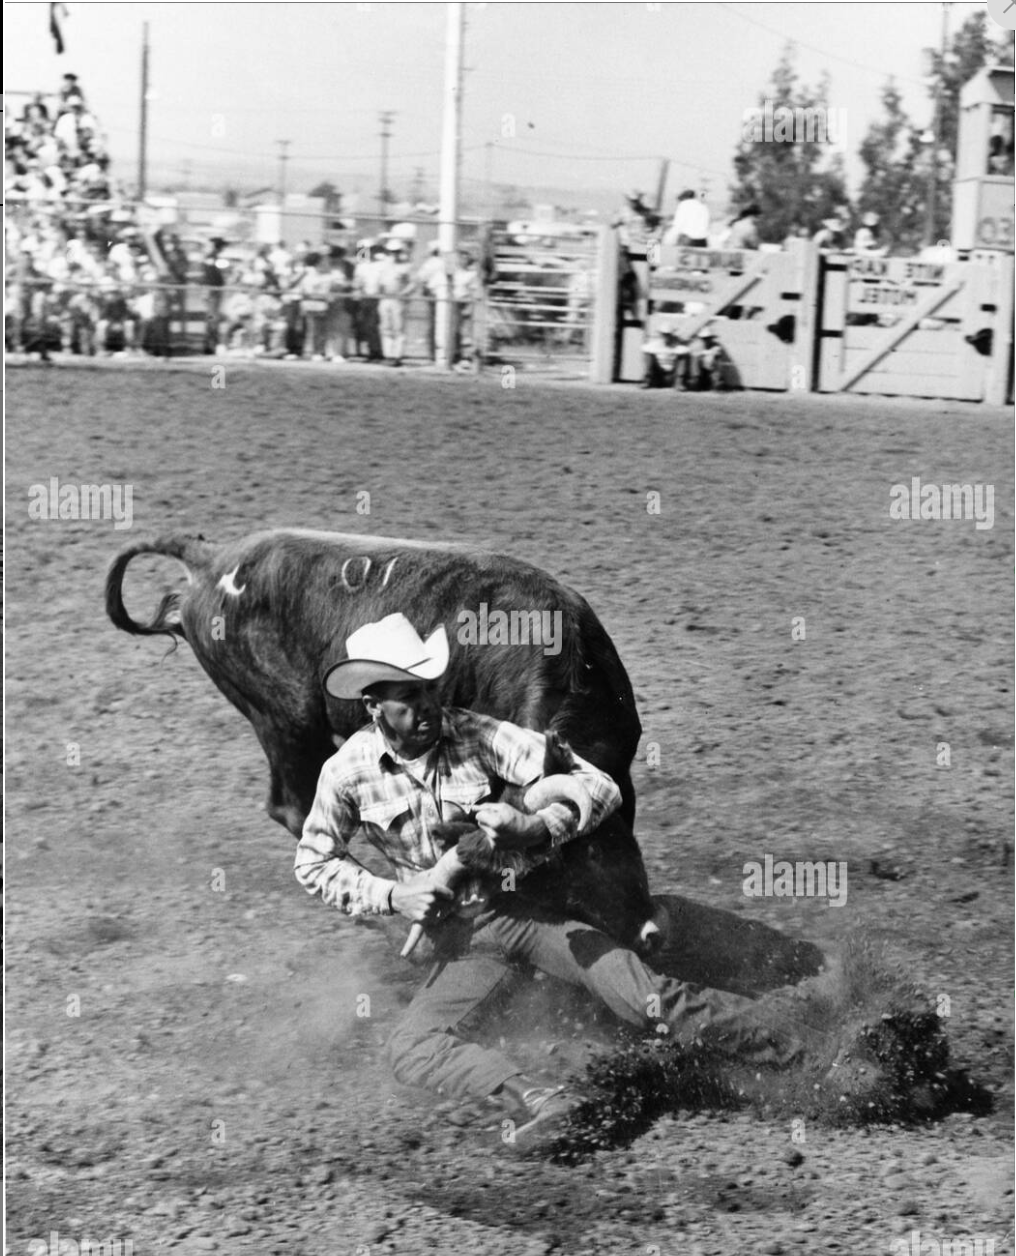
x: 428, y: 1047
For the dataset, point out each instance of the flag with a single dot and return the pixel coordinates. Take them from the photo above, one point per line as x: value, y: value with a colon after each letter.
x: 57, y: 13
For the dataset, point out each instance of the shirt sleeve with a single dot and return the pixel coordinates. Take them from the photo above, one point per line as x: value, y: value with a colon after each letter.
x: 322, y: 865
x: 517, y: 756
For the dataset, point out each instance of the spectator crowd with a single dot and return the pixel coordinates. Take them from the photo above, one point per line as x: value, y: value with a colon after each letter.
x: 85, y: 276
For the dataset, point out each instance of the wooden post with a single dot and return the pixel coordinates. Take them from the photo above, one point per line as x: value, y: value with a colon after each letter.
x: 604, y: 337
x: 143, y: 130
x: 804, y: 349
x: 449, y: 213
x: 999, y: 372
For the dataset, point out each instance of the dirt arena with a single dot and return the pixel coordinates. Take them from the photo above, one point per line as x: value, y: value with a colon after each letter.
x: 186, y: 1068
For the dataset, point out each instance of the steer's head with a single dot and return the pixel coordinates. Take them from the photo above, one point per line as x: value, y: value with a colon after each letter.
x: 594, y: 883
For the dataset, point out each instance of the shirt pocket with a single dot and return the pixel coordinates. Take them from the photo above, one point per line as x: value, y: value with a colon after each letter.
x: 466, y: 792
x: 386, y: 816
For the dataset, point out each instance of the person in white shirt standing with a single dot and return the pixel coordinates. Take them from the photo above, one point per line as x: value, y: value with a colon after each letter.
x: 367, y: 291
x: 431, y: 280
x: 690, y: 227
x: 394, y: 281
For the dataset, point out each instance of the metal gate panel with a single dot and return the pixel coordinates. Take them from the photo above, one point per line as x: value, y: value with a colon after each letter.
x: 540, y: 304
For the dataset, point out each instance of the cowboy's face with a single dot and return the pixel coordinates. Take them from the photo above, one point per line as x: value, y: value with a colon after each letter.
x: 408, y: 713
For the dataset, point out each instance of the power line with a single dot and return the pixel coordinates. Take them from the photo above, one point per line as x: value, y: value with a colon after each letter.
x: 833, y: 56
x: 619, y: 159
x: 239, y: 152
x: 283, y: 158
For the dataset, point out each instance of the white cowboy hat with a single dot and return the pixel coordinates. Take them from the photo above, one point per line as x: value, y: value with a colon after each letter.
x: 391, y: 649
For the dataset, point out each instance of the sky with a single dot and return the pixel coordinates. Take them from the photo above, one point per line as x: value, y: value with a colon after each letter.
x: 596, y: 94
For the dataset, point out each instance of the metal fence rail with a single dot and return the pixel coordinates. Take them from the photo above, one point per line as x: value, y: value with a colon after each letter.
x: 174, y: 320
x: 540, y: 303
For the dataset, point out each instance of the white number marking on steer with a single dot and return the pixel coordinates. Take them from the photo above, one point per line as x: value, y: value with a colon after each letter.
x: 364, y: 572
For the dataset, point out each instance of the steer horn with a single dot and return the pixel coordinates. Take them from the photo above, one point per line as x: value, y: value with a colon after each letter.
x: 448, y: 869
x: 560, y: 788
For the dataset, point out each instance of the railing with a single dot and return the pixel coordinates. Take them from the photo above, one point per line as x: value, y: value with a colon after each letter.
x: 163, y: 319
x: 540, y: 305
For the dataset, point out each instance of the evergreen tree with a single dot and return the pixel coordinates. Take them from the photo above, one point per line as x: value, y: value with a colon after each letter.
x: 796, y: 184
x: 970, y: 49
x: 898, y: 155
x: 895, y: 180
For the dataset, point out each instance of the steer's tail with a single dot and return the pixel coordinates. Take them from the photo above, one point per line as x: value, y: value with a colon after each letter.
x: 195, y: 554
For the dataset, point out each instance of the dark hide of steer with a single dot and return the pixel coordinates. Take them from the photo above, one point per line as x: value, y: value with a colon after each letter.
x: 284, y: 603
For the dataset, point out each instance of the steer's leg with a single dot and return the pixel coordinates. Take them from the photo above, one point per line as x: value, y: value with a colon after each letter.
x: 295, y: 764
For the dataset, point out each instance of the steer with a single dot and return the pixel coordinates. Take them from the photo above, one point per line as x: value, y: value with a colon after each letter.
x: 267, y: 616
x: 474, y: 868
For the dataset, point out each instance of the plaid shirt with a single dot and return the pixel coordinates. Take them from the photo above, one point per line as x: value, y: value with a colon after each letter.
x: 365, y: 786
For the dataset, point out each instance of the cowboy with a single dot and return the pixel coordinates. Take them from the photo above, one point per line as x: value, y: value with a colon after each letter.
x: 832, y: 235
x: 664, y: 354
x: 690, y: 228
x: 394, y: 283
x: 418, y: 764
x: 866, y: 237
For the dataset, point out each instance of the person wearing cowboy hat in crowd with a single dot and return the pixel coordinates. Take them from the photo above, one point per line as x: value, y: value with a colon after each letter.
x: 866, y: 237
x: 663, y: 354
x: 431, y: 280
x: 394, y: 283
x: 70, y: 91
x: 635, y: 219
x: 832, y: 235
x: 367, y: 293
x: 214, y: 269
x: 417, y: 764
x: 743, y: 231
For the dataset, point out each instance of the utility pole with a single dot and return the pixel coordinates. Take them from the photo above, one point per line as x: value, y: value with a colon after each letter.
x: 283, y: 158
x: 386, y: 117
x: 143, y: 137
x: 450, y: 164
x: 936, y: 130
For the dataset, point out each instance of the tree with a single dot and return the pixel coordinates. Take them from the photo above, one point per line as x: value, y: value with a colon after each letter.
x: 969, y: 50
x: 895, y: 180
x: 796, y: 178
x: 899, y: 156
